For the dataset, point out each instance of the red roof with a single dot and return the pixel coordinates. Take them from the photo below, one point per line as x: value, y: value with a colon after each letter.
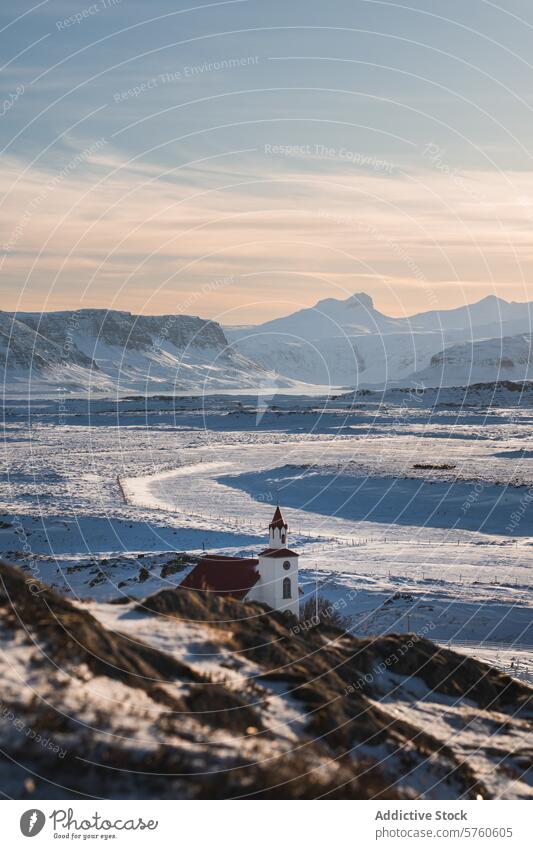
x: 278, y: 552
x: 278, y: 521
x: 215, y: 573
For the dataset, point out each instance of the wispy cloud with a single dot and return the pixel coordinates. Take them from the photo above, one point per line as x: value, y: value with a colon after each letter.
x: 94, y: 229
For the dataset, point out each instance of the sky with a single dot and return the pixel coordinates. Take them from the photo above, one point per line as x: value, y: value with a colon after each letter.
x: 239, y: 160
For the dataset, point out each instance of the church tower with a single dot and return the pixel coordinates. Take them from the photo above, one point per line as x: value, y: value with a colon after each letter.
x: 278, y: 569
x: 277, y: 531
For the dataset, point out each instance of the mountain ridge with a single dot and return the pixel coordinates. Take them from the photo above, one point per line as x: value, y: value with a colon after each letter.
x: 363, y: 299
x: 116, y: 350
x: 349, y: 342
x: 337, y: 343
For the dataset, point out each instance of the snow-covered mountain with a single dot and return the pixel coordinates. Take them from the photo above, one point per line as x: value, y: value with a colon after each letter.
x: 109, y: 351
x: 350, y: 342
x: 332, y: 317
x: 335, y: 343
x: 489, y: 315
x: 507, y: 358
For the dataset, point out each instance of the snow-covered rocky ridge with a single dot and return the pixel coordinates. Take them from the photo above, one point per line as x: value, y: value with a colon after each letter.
x: 184, y: 695
x: 350, y: 342
x: 111, y: 351
x: 336, y: 343
x: 507, y: 358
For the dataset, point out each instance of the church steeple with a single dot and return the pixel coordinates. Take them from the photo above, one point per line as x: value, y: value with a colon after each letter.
x: 278, y: 530
x: 278, y: 568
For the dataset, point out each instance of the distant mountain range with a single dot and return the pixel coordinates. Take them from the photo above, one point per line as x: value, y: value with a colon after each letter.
x: 349, y: 342
x: 338, y: 343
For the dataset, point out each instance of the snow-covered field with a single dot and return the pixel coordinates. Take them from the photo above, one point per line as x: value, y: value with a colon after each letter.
x: 409, y: 517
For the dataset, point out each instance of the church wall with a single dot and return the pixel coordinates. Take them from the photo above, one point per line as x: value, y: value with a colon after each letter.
x: 269, y: 589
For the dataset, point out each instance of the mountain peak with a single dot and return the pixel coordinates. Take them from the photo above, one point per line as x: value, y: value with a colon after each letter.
x: 360, y: 299
x: 490, y: 299
x: 357, y: 301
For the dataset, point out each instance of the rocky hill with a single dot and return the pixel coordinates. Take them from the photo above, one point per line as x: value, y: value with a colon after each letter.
x: 507, y: 358
x: 110, y: 351
x: 187, y: 695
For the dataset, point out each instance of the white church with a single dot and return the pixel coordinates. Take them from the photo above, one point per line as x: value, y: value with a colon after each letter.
x: 271, y: 577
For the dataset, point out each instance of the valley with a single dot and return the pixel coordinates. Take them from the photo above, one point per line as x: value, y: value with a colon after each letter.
x: 410, y: 517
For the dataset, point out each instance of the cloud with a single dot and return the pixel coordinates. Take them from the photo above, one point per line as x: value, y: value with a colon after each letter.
x: 93, y: 229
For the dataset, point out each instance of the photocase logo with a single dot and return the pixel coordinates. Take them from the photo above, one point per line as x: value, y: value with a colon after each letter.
x: 32, y: 822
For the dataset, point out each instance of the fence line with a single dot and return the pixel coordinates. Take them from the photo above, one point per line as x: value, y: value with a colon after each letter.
x: 332, y: 543
x: 348, y: 541
x: 516, y: 667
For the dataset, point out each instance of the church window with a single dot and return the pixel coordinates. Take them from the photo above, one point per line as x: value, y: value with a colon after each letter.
x: 287, y: 564
x: 287, y: 591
